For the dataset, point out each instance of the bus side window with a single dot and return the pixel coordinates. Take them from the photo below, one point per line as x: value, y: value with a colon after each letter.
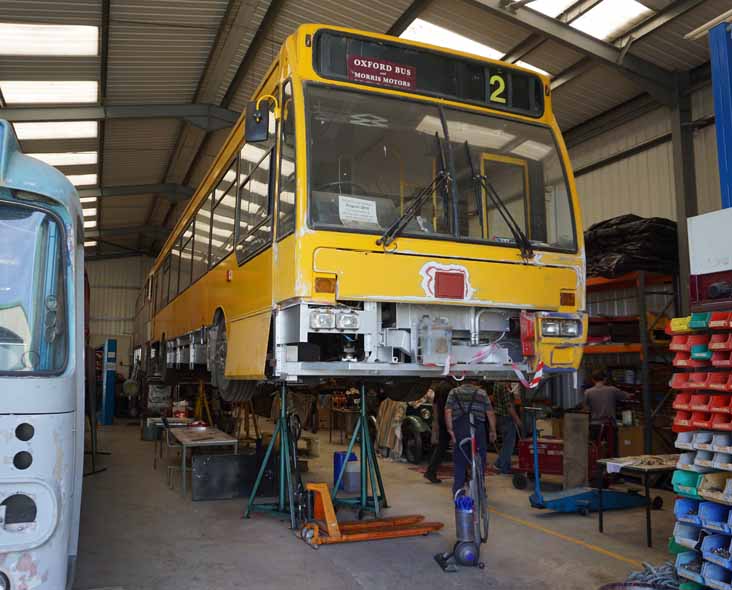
x: 202, y: 239
x: 174, y: 268
x: 286, y: 197
x: 186, y: 258
x: 255, y: 215
x: 224, y: 215
x: 165, y: 282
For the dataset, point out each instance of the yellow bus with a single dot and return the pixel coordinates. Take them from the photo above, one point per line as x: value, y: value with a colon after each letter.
x: 383, y: 210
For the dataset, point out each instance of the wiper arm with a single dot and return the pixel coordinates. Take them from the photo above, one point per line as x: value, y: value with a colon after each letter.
x: 438, y: 183
x: 523, y: 243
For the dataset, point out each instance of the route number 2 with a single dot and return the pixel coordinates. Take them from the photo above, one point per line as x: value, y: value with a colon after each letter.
x: 497, y: 85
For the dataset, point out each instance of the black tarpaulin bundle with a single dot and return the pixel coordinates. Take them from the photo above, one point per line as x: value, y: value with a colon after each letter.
x: 629, y: 243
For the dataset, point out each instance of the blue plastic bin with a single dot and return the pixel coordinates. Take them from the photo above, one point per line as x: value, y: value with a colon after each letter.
x: 687, y: 510
x: 714, y: 517
x: 715, y: 576
x: 339, y: 458
x: 712, y: 542
x: 687, y: 535
x: 682, y: 560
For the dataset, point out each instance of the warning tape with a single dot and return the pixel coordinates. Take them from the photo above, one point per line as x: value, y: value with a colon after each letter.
x: 534, y: 383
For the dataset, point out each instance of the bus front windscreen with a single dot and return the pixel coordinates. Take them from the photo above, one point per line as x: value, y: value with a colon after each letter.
x: 33, y: 335
x: 371, y: 155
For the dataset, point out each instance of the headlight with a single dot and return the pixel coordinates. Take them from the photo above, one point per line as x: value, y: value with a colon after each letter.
x: 322, y: 320
x: 550, y: 327
x: 570, y: 328
x: 347, y: 321
x: 555, y: 328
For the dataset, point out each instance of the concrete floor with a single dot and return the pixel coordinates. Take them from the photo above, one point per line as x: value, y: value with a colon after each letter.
x: 136, y: 534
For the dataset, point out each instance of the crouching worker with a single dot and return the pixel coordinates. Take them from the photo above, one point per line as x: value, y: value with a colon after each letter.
x: 464, y: 401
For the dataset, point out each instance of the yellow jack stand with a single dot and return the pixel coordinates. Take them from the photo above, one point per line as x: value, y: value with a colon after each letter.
x: 202, y: 404
x: 325, y: 528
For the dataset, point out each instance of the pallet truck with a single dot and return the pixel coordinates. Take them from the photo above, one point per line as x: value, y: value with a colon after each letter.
x: 322, y: 526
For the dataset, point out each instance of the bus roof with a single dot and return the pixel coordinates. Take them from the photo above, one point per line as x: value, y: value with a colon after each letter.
x: 21, y: 172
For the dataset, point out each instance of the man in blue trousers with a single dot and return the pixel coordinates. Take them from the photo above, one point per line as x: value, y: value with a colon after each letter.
x: 508, y: 423
x: 462, y: 402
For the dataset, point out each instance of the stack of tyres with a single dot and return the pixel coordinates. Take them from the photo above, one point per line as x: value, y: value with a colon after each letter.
x: 702, y: 383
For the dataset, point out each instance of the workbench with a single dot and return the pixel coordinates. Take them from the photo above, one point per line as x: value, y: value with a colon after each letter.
x: 195, y: 437
x: 635, y: 466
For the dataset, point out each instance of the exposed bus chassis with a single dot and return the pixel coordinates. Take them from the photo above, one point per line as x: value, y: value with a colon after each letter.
x: 391, y: 340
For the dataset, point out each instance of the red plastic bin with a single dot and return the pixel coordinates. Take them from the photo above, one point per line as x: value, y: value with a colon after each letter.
x: 720, y: 404
x: 699, y: 402
x: 720, y: 381
x: 721, y: 358
x: 682, y: 418
x: 697, y: 381
x: 679, y: 343
x: 722, y: 422
x: 683, y: 359
x: 681, y: 401
x: 720, y: 320
x: 679, y: 381
x: 702, y: 419
x: 720, y: 342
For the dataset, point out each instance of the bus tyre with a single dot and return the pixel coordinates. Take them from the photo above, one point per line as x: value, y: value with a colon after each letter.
x: 230, y: 390
x: 412, y: 445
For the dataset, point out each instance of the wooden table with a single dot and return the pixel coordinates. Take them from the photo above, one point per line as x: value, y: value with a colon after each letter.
x: 200, y: 437
x: 635, y: 466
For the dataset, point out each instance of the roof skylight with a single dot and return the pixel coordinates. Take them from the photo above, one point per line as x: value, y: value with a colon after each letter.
x: 90, y: 223
x: 90, y: 244
x: 92, y: 212
x: 611, y: 18
x: 82, y: 179
x: 49, y: 92
x: 56, y: 130
x: 68, y: 159
x: 425, y: 32
x: 87, y: 200
x: 551, y: 8
x: 39, y: 39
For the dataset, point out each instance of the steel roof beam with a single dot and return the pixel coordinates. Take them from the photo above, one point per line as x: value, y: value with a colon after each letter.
x: 654, y: 79
x: 205, y: 116
x: 645, y: 28
x: 173, y: 192
x: 129, y: 230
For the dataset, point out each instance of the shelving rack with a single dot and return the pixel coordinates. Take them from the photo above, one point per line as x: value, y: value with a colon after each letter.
x: 646, y: 298
x: 702, y: 383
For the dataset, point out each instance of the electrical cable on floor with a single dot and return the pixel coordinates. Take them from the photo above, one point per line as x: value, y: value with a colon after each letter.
x: 662, y: 577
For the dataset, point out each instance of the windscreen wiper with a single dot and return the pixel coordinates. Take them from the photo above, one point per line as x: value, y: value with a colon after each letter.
x: 438, y: 183
x: 480, y: 180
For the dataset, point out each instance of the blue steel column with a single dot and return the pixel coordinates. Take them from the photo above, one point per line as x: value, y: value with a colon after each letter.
x: 720, y: 48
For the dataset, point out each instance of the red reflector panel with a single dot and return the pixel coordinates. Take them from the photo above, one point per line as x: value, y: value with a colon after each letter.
x: 528, y: 333
x: 449, y: 285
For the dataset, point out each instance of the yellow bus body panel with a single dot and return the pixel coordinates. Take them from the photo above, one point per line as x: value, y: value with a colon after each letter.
x: 381, y: 276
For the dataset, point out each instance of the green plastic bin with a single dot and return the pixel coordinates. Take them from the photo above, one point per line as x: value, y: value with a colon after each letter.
x: 686, y: 483
x: 699, y: 321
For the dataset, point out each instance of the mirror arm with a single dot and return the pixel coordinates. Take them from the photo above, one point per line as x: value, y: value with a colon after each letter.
x: 275, y: 102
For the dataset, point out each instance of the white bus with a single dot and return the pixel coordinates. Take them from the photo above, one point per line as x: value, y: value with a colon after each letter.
x: 41, y: 371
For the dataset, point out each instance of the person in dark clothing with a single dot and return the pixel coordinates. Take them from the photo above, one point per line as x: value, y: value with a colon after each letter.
x: 442, y: 390
x: 467, y: 400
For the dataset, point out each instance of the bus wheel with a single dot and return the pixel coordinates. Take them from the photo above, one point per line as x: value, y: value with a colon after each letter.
x: 230, y: 390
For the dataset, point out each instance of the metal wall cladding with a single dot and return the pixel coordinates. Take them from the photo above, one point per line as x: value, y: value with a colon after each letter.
x: 624, y: 302
x: 377, y: 16
x: 137, y: 151
x: 158, y: 49
x: 708, y: 192
x: 115, y: 285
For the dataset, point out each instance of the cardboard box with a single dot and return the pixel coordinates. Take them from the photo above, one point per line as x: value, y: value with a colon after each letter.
x: 550, y: 427
x: 630, y: 441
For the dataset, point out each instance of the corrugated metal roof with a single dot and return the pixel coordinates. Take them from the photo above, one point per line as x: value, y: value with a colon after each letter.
x: 125, y: 211
x: 591, y: 94
x: 667, y: 46
x: 49, y: 68
x: 553, y: 57
x: 66, y: 12
x: 136, y: 151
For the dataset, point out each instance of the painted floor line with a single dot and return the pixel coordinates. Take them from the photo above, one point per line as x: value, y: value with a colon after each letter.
x: 590, y: 546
